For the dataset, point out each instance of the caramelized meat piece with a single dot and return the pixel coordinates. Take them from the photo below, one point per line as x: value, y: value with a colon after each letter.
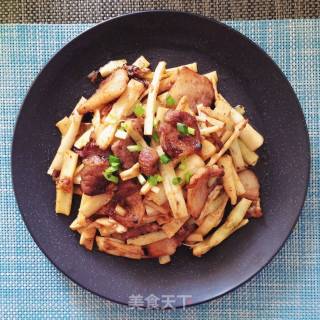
x: 91, y: 149
x: 92, y: 180
x: 172, y: 141
x: 127, y: 158
x: 135, y: 232
x: 149, y: 161
x: 197, y: 88
x: 169, y: 246
x: 129, y: 197
x: 109, y: 89
x: 126, y: 189
x: 198, y: 189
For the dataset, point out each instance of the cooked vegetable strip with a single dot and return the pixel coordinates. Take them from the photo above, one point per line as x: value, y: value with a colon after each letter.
x: 111, y: 66
x: 189, y: 165
x: 172, y: 227
x: 208, y: 149
x: 147, y: 238
x: 152, y: 97
x: 130, y: 173
x: 252, y: 138
x: 119, y: 108
x: 233, y: 221
x: 209, y: 130
x: 226, y: 146
x: 134, y: 134
x: 67, y: 140
x: 84, y: 138
x: 117, y: 248
x: 237, y: 183
x: 63, y: 125
x: 141, y: 62
x: 91, y: 204
x: 87, y: 237
x: 164, y: 259
x: 192, y: 66
x: 213, y: 77
x: 195, y: 237
x: 236, y: 155
x: 184, y: 105
x: 161, y: 111
x: 64, y: 187
x: 214, y: 200
x: 228, y: 181
x: 173, y: 191
x: 214, y: 218
x: 250, y: 157
x: 77, y: 176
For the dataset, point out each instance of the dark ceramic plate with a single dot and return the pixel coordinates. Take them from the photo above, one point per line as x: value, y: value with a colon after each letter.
x: 247, y: 76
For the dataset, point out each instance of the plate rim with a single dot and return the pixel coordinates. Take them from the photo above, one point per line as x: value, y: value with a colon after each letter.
x: 187, y: 14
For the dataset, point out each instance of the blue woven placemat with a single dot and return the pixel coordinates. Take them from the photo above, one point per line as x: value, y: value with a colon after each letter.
x: 31, y: 288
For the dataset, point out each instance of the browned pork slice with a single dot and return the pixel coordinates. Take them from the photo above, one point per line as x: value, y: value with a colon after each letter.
x: 149, y: 161
x: 173, y: 142
x: 197, y: 88
x: 198, y: 189
x: 92, y: 180
x: 91, y: 149
x: 127, y: 158
x: 251, y: 184
x: 168, y: 247
x: 135, y: 232
x: 109, y: 89
x: 128, y: 196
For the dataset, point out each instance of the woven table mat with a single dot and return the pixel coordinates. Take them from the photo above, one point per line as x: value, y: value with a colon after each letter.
x: 86, y: 11
x: 31, y: 287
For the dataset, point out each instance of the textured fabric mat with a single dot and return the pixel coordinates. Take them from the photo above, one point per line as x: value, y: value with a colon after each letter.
x: 31, y: 288
x: 87, y: 11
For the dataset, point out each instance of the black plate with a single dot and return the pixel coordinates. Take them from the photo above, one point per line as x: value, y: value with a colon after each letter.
x: 247, y: 76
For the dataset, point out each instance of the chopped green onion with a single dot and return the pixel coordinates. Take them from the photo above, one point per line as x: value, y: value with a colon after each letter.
x: 138, y: 110
x: 182, y: 128
x: 155, y: 136
x: 124, y: 126
x: 164, y: 159
x: 154, y: 180
x: 134, y: 148
x: 187, y: 177
x: 176, y: 180
x: 170, y: 101
x: 110, y: 170
x: 113, y: 160
x: 191, y: 131
x: 112, y: 178
x: 182, y: 165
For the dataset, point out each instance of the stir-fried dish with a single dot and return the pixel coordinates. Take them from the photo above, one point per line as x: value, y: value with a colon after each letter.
x: 159, y: 159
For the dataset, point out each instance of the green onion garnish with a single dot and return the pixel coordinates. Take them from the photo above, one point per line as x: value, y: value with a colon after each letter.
x: 191, y: 131
x: 187, y: 177
x: 134, y: 148
x: 124, y: 126
x: 170, y: 101
x: 182, y: 165
x: 155, y: 136
x: 138, y: 110
x: 113, y: 160
x: 164, y: 159
x: 110, y: 170
x: 182, y: 128
x: 176, y: 180
x: 112, y: 178
x: 154, y: 180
